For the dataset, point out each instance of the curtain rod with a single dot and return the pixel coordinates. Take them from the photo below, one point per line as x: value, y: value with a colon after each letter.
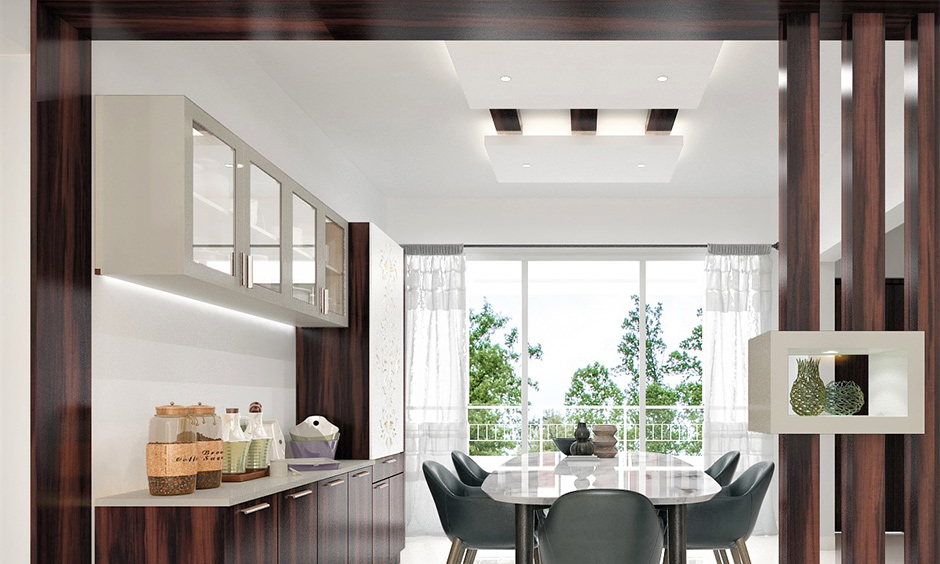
x: 775, y: 246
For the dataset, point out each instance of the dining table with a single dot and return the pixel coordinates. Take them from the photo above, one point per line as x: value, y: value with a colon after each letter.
x: 532, y: 482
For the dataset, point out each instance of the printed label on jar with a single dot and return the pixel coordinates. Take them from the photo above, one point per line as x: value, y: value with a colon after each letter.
x: 171, y: 459
x: 210, y: 455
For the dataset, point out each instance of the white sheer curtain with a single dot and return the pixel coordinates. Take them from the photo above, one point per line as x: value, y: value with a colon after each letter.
x: 437, y: 372
x: 738, y: 302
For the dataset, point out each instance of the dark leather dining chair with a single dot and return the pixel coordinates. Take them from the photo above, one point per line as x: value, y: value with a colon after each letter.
x: 468, y: 471
x: 727, y: 520
x: 723, y: 469
x: 471, y: 519
x: 601, y: 527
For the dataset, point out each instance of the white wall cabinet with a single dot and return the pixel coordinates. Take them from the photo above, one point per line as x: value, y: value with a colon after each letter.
x: 183, y: 205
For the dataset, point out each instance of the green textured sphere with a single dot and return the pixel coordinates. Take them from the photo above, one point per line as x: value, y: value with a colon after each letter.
x: 844, y: 398
x: 808, y: 393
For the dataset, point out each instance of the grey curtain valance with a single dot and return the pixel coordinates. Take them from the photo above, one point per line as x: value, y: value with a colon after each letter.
x: 433, y: 250
x: 739, y: 250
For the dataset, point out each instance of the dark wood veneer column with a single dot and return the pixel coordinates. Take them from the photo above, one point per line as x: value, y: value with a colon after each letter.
x: 60, y: 365
x: 799, y: 267
x: 863, y: 268
x: 922, y: 284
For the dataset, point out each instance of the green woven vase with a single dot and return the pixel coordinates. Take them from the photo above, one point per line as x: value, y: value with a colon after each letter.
x: 844, y: 398
x: 808, y: 394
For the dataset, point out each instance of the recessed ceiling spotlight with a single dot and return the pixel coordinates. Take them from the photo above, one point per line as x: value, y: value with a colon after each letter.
x: 641, y: 165
x: 662, y: 78
x: 505, y: 78
x: 526, y: 165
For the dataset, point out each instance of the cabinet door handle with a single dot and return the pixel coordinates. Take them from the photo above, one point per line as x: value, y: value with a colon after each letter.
x: 251, y: 271
x: 390, y: 461
x: 300, y: 494
x: 234, y: 270
x: 381, y: 486
x: 361, y: 474
x: 335, y: 483
x: 255, y: 508
x: 326, y: 300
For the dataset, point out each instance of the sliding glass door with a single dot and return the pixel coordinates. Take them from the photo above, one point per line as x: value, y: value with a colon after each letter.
x: 592, y: 328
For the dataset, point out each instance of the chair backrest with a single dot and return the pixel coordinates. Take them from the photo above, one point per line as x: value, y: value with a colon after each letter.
x: 723, y: 469
x: 468, y: 471
x: 467, y: 513
x: 601, y: 527
x: 753, y: 485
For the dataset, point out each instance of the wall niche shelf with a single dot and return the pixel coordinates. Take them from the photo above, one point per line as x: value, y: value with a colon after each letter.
x: 895, y: 380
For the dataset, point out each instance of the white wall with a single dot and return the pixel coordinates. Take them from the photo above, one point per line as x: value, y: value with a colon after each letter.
x: 14, y: 304
x: 150, y: 348
x: 583, y: 220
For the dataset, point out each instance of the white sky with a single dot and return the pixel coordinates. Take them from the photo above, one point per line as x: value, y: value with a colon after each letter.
x: 576, y: 309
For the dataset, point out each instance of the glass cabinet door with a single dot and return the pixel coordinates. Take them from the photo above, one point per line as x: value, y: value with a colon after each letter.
x: 335, y: 282
x: 304, y: 250
x: 213, y: 201
x: 265, y: 233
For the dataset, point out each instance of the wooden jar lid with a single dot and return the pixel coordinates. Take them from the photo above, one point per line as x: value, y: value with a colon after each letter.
x: 200, y: 409
x: 172, y: 409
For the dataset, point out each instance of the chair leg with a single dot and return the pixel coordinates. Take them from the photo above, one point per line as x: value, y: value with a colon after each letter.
x: 742, y: 549
x: 719, y: 556
x: 471, y: 556
x: 538, y: 555
x: 457, y: 551
x: 736, y: 554
x: 665, y: 556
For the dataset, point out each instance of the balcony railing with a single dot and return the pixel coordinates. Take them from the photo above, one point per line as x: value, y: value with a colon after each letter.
x: 498, y: 430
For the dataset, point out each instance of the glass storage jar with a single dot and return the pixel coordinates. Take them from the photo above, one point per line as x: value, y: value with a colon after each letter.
x: 171, y: 451
x: 234, y: 442
x: 208, y: 427
x: 260, y: 439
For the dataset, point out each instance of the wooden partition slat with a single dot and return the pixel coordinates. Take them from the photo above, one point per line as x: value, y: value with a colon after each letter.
x: 799, y: 267
x: 922, y: 284
x: 863, y: 268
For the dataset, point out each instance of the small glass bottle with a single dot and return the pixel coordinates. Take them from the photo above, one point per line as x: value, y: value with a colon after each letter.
x: 208, y: 427
x: 260, y: 439
x: 171, y: 452
x: 234, y: 443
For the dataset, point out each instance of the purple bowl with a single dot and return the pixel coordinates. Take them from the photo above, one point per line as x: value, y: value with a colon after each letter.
x: 314, y: 449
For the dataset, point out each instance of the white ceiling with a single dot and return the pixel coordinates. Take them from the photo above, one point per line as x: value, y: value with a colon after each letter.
x: 398, y: 111
x: 547, y: 75
x: 583, y: 158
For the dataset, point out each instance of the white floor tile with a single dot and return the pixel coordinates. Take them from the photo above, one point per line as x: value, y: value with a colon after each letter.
x: 763, y: 550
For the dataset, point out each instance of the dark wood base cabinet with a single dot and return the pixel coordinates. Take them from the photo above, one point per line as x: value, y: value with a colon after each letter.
x: 347, y: 519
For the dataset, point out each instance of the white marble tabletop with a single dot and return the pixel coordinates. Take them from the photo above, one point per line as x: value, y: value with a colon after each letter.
x: 541, y: 478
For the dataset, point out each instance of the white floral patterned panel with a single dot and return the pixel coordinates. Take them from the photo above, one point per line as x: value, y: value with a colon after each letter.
x: 386, y: 344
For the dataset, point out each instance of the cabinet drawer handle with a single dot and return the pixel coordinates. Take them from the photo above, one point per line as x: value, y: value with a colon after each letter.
x: 255, y: 508
x: 361, y: 474
x: 251, y: 271
x: 390, y: 461
x: 300, y: 494
x: 381, y: 486
x: 334, y: 483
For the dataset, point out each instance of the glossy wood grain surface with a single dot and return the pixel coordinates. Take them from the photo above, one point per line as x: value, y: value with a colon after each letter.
x: 396, y: 497
x: 799, y: 267
x: 332, y: 521
x: 584, y: 122
x: 863, y: 268
x: 157, y: 535
x: 360, y: 517
x: 60, y: 356
x: 297, y: 525
x: 507, y: 121
x: 660, y: 122
x: 922, y: 289
x: 466, y: 20
x: 381, y: 539
x: 251, y: 531
x: 333, y: 364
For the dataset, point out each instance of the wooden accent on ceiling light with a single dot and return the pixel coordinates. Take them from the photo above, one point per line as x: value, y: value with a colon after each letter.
x: 661, y: 121
x: 922, y: 286
x: 583, y: 122
x: 507, y: 122
x: 799, y: 267
x: 863, y: 268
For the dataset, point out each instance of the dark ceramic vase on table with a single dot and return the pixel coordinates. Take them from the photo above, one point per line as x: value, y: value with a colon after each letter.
x: 582, y: 445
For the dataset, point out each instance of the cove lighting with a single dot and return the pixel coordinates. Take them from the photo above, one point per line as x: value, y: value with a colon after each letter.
x: 830, y: 352
x: 662, y: 78
x: 230, y: 165
x: 505, y: 78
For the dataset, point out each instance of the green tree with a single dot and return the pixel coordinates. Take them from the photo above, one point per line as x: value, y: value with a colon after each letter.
x: 494, y: 382
x: 593, y: 385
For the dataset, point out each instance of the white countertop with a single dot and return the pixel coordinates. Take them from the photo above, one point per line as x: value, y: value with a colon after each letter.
x: 540, y: 479
x: 229, y: 493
